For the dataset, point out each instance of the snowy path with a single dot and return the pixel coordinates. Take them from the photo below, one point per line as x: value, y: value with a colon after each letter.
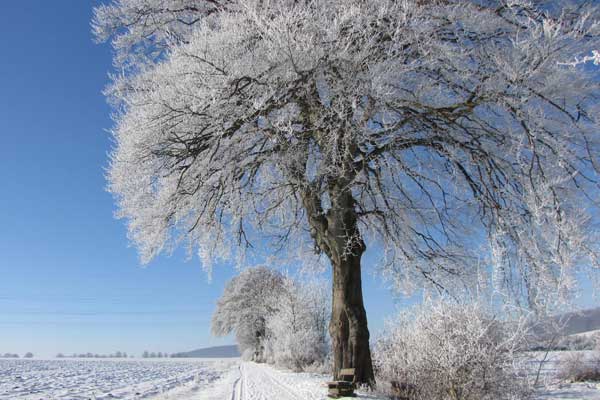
x: 251, y: 381
x: 261, y: 382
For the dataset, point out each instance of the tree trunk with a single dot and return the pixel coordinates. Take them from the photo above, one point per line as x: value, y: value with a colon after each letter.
x: 348, y: 326
x: 336, y: 233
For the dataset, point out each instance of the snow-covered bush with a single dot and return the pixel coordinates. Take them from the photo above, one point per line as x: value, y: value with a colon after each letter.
x: 576, y: 367
x: 445, y: 351
x: 298, y: 331
x: 579, y: 342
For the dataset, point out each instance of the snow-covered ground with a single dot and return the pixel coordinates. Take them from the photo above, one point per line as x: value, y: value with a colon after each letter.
x: 572, y: 391
x: 197, y: 379
x: 558, y: 389
x: 251, y: 381
x: 71, y: 379
x: 188, y: 379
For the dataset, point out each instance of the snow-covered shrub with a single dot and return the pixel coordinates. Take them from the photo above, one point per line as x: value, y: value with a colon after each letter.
x: 446, y: 351
x: 579, y: 342
x: 576, y: 367
x: 297, y: 333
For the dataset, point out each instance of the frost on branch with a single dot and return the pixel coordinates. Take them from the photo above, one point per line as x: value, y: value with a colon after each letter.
x: 594, y: 58
x: 452, y: 126
x: 142, y: 30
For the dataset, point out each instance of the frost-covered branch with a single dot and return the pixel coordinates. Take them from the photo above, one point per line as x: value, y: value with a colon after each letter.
x: 451, y: 131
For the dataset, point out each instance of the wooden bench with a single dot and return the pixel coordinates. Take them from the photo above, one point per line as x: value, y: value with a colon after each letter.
x: 343, y: 387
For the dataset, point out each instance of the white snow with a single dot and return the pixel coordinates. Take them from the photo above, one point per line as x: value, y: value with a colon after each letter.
x: 194, y: 379
x: 572, y: 391
x: 558, y: 389
x: 251, y: 381
x: 75, y: 379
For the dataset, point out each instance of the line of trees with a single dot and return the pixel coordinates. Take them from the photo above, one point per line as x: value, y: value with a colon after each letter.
x: 275, y: 318
x: 15, y: 355
x: 118, y: 354
x: 9, y: 355
x: 147, y: 354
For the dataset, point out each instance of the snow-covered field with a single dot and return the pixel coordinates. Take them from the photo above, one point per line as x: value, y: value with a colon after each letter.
x: 69, y: 379
x: 196, y: 379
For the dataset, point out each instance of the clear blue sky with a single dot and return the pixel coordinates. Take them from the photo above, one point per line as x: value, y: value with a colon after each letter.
x: 69, y: 282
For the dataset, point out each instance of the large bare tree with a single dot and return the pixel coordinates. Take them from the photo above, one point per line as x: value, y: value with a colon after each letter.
x: 455, y: 138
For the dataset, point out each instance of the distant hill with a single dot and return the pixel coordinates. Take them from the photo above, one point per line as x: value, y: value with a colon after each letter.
x: 572, y: 323
x: 210, y: 352
x: 582, y: 321
x: 580, y: 331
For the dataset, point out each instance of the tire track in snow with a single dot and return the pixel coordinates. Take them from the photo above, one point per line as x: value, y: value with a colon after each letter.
x: 236, y: 386
x: 259, y: 382
x: 281, y: 386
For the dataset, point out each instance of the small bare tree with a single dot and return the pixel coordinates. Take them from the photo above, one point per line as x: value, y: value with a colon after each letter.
x: 422, y: 128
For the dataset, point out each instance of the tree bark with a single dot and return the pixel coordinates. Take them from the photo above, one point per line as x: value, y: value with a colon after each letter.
x: 348, y: 327
x: 336, y: 233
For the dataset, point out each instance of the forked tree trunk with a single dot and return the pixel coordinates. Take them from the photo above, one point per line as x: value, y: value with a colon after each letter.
x: 337, y: 235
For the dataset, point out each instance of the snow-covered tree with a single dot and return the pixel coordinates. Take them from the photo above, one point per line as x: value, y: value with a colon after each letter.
x: 297, y: 332
x: 441, y: 132
x: 247, y: 303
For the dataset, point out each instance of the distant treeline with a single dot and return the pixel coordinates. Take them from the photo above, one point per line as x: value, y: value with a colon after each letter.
x: 156, y: 355
x: 14, y: 355
x: 118, y: 354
